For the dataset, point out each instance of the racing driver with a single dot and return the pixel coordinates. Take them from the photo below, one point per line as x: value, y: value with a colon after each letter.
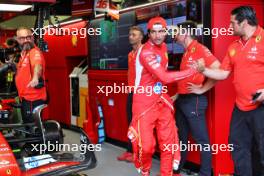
x: 155, y: 110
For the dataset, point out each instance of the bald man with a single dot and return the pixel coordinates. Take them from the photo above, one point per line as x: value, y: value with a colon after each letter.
x: 30, y: 74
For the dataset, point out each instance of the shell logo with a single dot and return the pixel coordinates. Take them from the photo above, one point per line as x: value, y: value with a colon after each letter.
x: 232, y: 52
x: 8, y: 172
x: 74, y: 40
x: 258, y: 39
x: 193, y: 49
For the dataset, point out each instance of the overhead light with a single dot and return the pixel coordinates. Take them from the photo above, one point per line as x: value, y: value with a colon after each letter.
x: 14, y: 7
x: 71, y: 21
x: 65, y: 23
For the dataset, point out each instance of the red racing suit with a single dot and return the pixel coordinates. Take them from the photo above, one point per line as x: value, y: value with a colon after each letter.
x: 153, y: 109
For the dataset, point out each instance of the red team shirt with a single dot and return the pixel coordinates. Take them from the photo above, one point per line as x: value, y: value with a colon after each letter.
x: 246, y: 60
x: 132, y: 67
x: 194, y: 52
x: 23, y: 76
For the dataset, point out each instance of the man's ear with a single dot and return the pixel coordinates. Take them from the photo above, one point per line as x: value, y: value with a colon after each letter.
x: 244, y: 22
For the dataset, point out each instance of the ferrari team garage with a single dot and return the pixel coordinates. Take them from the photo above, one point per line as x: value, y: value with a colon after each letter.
x: 131, y: 87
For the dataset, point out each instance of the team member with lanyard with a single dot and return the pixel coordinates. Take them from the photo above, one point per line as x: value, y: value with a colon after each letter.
x: 30, y: 73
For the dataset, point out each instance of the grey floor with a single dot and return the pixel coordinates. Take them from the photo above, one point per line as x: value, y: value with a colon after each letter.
x: 107, y: 162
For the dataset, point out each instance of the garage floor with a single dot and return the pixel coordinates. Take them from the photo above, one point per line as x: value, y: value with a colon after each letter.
x: 107, y: 162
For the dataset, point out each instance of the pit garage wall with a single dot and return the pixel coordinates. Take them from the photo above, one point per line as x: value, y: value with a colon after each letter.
x: 113, y: 104
x: 65, y: 52
x: 224, y: 95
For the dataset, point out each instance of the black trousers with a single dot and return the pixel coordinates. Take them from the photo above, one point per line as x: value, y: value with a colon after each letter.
x: 247, y: 137
x: 191, y: 118
x: 129, y: 117
x: 27, y: 109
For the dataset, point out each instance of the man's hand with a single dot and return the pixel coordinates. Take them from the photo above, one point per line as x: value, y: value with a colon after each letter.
x: 261, y: 96
x: 34, y: 82
x: 196, y: 89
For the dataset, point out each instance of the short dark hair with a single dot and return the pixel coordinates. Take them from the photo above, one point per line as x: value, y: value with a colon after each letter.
x: 137, y: 28
x: 189, y: 25
x: 245, y: 13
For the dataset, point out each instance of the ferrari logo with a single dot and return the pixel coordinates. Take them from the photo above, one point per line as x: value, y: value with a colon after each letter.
x: 8, y: 172
x: 167, y: 57
x: 232, y: 52
x: 258, y: 38
x: 193, y: 50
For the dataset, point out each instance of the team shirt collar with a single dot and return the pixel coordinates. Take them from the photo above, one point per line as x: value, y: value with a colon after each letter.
x: 257, y: 32
x: 192, y: 45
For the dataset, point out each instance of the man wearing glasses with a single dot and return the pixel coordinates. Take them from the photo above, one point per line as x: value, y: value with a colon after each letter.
x: 30, y: 74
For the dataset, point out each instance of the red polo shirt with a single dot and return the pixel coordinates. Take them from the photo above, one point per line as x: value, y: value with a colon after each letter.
x: 194, y: 52
x: 246, y: 60
x: 25, y: 73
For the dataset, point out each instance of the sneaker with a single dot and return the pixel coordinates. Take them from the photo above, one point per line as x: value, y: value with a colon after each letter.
x: 124, y: 156
x: 147, y: 173
x: 176, y: 164
x: 129, y: 158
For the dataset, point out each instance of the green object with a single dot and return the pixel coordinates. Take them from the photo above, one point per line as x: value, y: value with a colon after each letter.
x: 27, y: 21
x: 17, y: 118
x: 16, y: 150
x: 102, y: 64
x: 10, y: 77
x: 109, y: 32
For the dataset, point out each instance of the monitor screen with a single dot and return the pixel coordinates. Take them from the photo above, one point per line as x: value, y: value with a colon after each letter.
x: 110, y: 49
